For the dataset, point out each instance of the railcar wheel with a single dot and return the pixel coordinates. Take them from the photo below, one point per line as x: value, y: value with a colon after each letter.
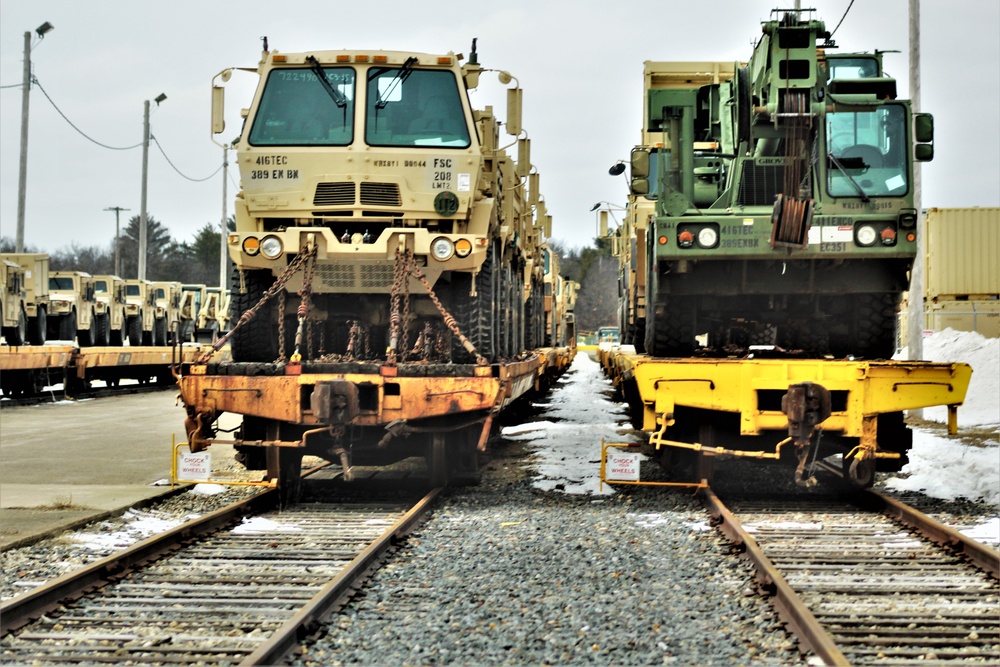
x: 437, y: 460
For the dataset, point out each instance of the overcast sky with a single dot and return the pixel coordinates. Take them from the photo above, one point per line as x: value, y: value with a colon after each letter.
x: 580, y: 64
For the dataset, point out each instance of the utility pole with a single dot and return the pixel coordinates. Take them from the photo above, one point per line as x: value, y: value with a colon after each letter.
x: 915, y: 340
x: 118, y: 257
x: 142, y: 200
x: 22, y: 185
x: 145, y: 176
x: 22, y: 181
x: 224, y: 254
x: 915, y: 314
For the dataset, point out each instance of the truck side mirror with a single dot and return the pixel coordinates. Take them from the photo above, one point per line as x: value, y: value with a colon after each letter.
x: 513, y: 111
x: 640, y: 186
x: 218, y: 106
x: 923, y: 128
x: 640, y: 164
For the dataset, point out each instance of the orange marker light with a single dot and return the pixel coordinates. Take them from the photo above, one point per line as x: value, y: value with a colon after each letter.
x: 911, y: 237
x: 343, y: 59
x: 685, y: 239
x: 360, y: 59
x: 444, y: 60
x: 380, y: 59
x: 279, y: 58
x: 662, y: 240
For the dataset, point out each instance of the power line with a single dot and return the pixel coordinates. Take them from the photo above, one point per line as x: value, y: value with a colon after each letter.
x: 843, y: 17
x: 195, y: 180
x: 82, y: 133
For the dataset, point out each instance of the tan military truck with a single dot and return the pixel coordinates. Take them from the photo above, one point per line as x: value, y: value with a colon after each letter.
x: 36, y: 292
x: 72, y: 307
x: 166, y: 315
x: 213, y: 316
x: 13, y: 314
x: 192, y: 296
x: 110, y: 309
x: 140, y: 309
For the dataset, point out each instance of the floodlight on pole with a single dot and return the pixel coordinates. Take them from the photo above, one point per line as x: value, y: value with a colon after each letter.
x: 22, y: 182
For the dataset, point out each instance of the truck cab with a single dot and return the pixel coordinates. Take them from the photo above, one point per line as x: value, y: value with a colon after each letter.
x: 166, y: 313
x: 110, y: 310
x: 140, y: 307
x: 13, y: 313
x: 72, y: 307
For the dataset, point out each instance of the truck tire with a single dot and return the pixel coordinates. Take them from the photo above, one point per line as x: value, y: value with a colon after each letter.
x: 160, y: 331
x: 17, y: 334
x: 134, y: 327
x: 119, y: 336
x: 38, y: 327
x: 475, y: 314
x: 256, y: 339
x: 86, y: 337
x: 671, y: 332
x: 102, y: 329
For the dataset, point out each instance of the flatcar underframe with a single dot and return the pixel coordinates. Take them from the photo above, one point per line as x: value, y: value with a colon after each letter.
x: 855, y: 406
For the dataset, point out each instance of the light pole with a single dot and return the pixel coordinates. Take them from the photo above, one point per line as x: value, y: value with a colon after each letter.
x: 145, y: 174
x: 118, y: 257
x: 605, y: 207
x: 224, y: 254
x: 22, y: 183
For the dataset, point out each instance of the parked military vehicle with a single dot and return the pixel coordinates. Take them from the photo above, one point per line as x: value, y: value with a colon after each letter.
x: 166, y: 313
x: 13, y: 312
x: 109, y: 310
x: 784, y: 201
x: 192, y: 296
x: 72, y: 307
x: 36, y: 292
x: 371, y: 172
x: 213, y: 316
x: 140, y: 310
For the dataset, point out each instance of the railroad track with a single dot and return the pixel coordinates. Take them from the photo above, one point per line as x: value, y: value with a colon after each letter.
x: 863, y: 579
x: 224, y: 589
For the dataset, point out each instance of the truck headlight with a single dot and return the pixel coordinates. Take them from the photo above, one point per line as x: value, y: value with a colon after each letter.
x: 442, y: 249
x: 708, y: 237
x: 270, y: 247
x: 866, y: 235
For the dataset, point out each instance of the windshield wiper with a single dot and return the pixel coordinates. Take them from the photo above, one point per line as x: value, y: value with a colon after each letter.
x: 402, y: 75
x: 334, y: 94
x: 836, y: 163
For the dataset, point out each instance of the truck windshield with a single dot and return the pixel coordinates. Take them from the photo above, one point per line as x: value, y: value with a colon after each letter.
x: 60, y: 283
x: 869, y: 153
x: 132, y: 290
x: 296, y: 109
x: 100, y: 287
x: 415, y: 108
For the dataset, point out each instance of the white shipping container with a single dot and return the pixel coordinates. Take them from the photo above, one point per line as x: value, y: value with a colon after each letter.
x: 962, y: 253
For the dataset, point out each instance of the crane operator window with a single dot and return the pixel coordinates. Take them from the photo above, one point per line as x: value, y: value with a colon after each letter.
x: 866, y: 153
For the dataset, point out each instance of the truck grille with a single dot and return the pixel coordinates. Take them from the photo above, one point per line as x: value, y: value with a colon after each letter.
x: 334, y: 194
x: 354, y: 276
x: 380, y: 194
x: 761, y: 184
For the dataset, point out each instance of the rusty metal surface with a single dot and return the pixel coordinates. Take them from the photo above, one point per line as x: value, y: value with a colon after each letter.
x: 391, y: 397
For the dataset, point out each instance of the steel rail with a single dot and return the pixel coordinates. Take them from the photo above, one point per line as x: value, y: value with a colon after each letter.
x: 790, y: 606
x: 980, y: 554
x: 23, y: 609
x: 309, y: 617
